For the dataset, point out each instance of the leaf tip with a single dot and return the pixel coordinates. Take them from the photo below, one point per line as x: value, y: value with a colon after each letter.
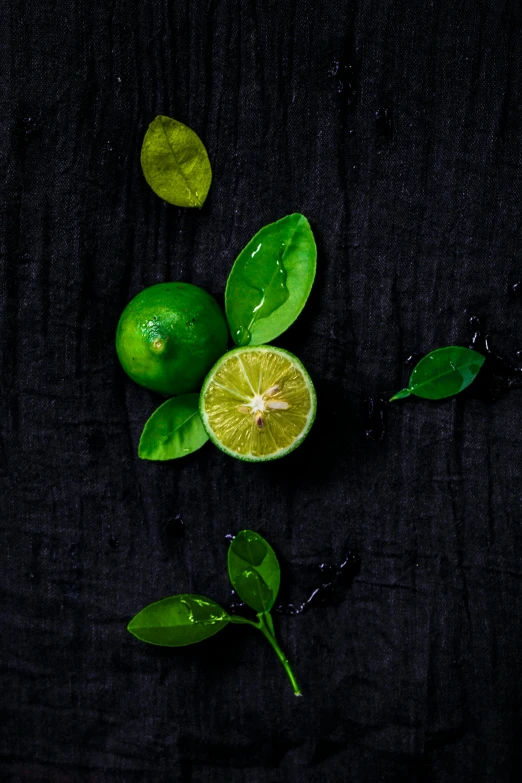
x: 143, y: 452
x: 401, y: 395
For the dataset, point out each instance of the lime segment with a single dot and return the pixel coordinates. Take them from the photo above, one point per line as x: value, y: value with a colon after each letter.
x: 258, y: 403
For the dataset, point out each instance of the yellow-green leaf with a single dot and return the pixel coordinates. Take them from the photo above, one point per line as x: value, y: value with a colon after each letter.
x: 175, y: 163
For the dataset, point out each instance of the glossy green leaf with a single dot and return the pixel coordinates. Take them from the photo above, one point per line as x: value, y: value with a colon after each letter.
x: 271, y: 280
x: 175, y: 163
x: 254, y: 570
x: 178, y: 621
x: 443, y: 373
x: 174, y: 430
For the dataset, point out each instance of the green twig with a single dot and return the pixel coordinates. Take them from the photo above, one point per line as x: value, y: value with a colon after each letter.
x: 265, y: 629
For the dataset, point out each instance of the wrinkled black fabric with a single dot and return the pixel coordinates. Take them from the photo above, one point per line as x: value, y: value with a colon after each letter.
x: 396, y: 128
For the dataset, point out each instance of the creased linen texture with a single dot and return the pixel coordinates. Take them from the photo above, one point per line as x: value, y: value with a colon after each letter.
x: 396, y: 129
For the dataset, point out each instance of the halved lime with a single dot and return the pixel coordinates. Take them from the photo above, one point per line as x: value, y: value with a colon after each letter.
x: 258, y: 403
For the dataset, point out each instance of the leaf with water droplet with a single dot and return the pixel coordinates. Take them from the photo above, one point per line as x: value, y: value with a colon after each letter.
x: 175, y: 163
x: 254, y: 570
x: 271, y: 280
x: 251, y: 583
x: 443, y: 373
x: 178, y: 621
x: 174, y: 430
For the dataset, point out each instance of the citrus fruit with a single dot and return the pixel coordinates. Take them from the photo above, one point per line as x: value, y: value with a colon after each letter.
x: 258, y: 403
x: 169, y: 336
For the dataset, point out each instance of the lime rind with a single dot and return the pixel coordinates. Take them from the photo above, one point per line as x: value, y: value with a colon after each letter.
x: 310, y: 418
x: 169, y: 336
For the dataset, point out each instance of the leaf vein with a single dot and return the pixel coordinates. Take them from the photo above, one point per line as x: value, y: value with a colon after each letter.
x: 178, y: 164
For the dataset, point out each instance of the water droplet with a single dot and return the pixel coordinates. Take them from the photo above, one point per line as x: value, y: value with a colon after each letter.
x: 28, y: 127
x: 478, y: 340
x: 384, y: 121
x: 243, y: 336
x: 413, y: 359
x: 516, y: 288
x: 341, y: 70
x: 190, y: 613
x: 333, y: 68
x: 113, y: 542
x: 374, y: 417
x: 274, y: 293
x: 499, y: 372
x: 330, y: 591
x: 200, y: 611
x: 175, y: 527
x: 237, y: 606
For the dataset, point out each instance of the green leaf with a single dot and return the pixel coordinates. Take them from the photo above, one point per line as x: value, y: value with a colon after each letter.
x: 175, y: 163
x: 443, y: 373
x: 271, y: 280
x: 178, y: 621
x: 254, y: 570
x: 174, y: 430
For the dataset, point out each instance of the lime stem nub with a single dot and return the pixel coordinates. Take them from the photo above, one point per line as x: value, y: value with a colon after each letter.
x: 158, y: 345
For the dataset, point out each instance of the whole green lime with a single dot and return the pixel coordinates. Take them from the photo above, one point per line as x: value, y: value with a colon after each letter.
x: 169, y: 336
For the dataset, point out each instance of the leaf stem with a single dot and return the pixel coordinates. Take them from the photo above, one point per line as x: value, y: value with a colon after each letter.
x: 269, y: 622
x: 235, y: 618
x: 264, y: 627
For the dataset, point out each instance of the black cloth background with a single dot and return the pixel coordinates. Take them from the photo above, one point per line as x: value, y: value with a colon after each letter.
x: 395, y: 127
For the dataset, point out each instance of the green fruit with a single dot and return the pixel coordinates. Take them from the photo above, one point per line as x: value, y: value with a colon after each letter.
x: 258, y: 403
x: 169, y: 336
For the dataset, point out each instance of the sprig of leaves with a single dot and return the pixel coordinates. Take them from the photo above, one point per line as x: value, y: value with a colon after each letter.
x: 181, y: 620
x: 443, y: 373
